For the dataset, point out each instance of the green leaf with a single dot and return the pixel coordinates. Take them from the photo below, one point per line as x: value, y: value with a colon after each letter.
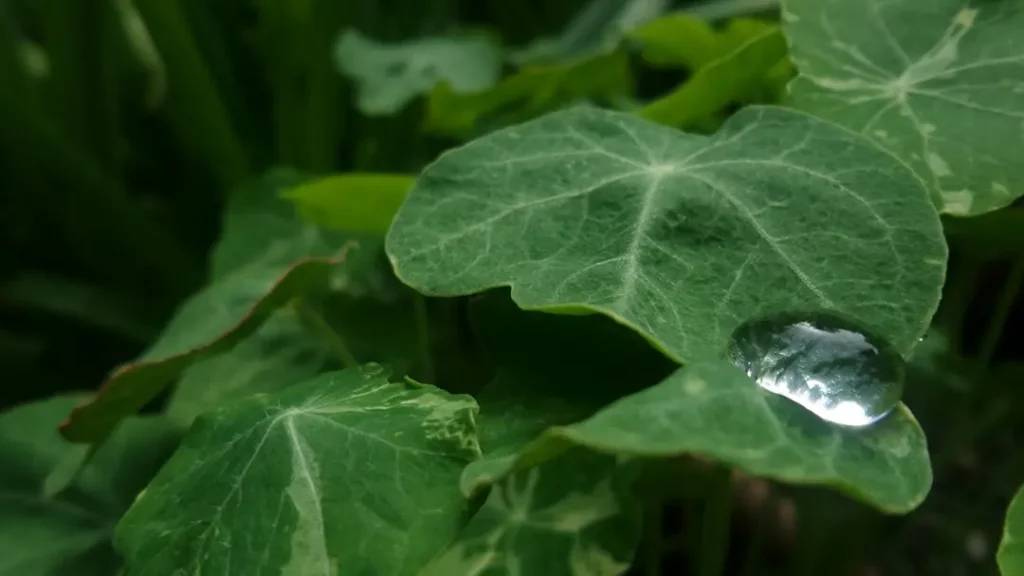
x: 281, y: 353
x: 264, y: 260
x: 352, y: 202
x: 681, y: 40
x: 1011, y: 549
x: 572, y: 515
x: 595, y: 30
x: 69, y: 533
x: 937, y: 83
x: 714, y: 410
x: 389, y: 76
x: 551, y: 370
x: 680, y: 237
x: 732, y: 78
x: 345, y: 474
x: 530, y: 92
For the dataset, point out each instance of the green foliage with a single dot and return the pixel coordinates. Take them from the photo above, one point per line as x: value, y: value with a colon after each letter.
x: 677, y: 235
x: 506, y: 356
x: 70, y: 533
x: 934, y: 82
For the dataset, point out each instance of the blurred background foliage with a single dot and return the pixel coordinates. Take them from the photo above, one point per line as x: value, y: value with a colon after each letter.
x: 125, y: 126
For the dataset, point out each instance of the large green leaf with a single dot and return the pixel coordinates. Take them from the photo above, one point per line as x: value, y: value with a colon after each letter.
x: 345, y: 474
x: 389, y: 76
x: 69, y: 533
x: 680, y: 237
x: 266, y: 257
x: 714, y: 410
x: 1011, y: 549
x: 938, y: 83
x: 572, y: 515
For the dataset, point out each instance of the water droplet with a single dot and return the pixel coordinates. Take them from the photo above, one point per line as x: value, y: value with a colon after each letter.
x: 834, y: 367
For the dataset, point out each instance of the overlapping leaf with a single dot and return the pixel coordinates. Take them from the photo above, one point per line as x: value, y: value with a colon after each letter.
x: 573, y: 515
x: 69, y: 533
x: 267, y: 257
x: 678, y: 236
x: 714, y: 410
x: 938, y: 83
x: 344, y: 474
x: 1011, y: 549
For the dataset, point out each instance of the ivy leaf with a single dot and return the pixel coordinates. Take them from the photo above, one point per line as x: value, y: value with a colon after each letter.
x: 389, y: 76
x: 1011, y: 549
x: 572, y: 515
x: 69, y: 533
x: 938, y: 83
x: 680, y: 237
x: 352, y: 202
x: 263, y: 261
x: 715, y: 410
x: 344, y: 474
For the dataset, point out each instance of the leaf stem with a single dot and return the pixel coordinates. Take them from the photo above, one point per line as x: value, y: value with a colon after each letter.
x: 1004, y: 305
x: 725, y: 9
x: 714, y: 536
x: 318, y: 327
x: 423, y: 337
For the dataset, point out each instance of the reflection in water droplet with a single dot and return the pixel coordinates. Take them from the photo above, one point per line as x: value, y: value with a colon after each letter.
x: 828, y: 364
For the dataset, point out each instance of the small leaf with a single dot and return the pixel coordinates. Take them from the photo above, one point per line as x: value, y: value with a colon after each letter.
x: 572, y: 515
x: 389, y: 76
x: 681, y: 40
x: 264, y: 260
x: 530, y: 92
x: 344, y: 474
x: 595, y: 30
x: 714, y: 410
x: 1011, y: 549
x: 69, y: 533
x: 681, y: 237
x: 732, y: 78
x: 352, y: 202
x: 938, y: 83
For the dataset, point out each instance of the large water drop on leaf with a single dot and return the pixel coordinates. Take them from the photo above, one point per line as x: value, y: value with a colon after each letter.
x: 829, y: 364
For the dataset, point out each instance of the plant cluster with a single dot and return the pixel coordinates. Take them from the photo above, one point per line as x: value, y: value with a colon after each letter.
x: 493, y: 339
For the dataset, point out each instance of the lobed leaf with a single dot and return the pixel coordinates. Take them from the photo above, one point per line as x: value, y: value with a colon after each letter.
x: 938, y: 83
x: 680, y: 237
x: 573, y: 515
x: 345, y: 474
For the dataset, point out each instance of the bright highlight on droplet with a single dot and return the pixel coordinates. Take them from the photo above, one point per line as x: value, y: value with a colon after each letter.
x: 829, y: 364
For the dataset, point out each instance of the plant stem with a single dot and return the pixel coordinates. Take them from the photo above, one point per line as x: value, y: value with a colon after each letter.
x: 714, y: 537
x: 318, y: 327
x: 423, y: 337
x: 1004, y: 305
x: 960, y: 292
